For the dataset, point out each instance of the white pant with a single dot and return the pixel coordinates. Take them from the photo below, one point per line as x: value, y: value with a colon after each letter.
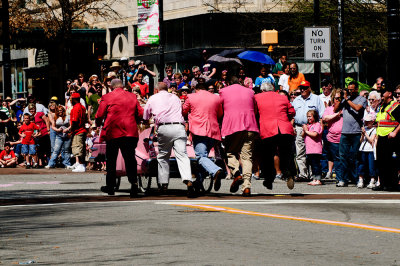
x: 301, y: 158
x: 172, y: 136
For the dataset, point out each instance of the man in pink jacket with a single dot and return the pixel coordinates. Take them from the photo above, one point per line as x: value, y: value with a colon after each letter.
x: 239, y: 127
x: 204, y: 109
x: 276, y: 133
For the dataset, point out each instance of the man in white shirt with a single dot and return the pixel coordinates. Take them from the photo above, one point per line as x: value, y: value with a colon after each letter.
x: 326, y: 92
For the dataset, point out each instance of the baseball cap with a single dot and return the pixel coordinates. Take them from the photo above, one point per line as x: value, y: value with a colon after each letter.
x: 75, y: 95
x: 369, y: 117
x: 305, y: 83
x: 54, y: 98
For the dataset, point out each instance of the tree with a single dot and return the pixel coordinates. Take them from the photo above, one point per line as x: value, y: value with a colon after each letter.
x: 364, y: 25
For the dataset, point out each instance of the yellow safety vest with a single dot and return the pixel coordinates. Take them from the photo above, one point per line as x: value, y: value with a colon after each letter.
x: 386, y: 122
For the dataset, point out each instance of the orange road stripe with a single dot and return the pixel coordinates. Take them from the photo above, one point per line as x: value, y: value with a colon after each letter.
x: 293, y: 218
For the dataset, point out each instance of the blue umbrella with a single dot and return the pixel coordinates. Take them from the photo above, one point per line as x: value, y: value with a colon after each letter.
x: 256, y: 57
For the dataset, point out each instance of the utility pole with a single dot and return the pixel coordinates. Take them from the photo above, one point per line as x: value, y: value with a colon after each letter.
x: 161, y: 47
x: 317, y: 64
x: 6, y: 50
x: 393, y: 24
x: 341, y: 43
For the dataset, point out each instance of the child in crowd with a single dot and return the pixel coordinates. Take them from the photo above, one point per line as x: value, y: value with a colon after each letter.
x: 29, y: 131
x: 366, y: 162
x: 7, y: 157
x: 312, y: 134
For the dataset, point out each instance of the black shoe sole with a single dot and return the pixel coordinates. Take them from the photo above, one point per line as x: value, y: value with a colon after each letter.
x: 107, y: 190
x: 235, y: 185
x: 217, y: 180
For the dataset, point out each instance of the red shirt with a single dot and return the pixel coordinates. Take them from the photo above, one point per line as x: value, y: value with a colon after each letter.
x: 41, y: 124
x: 144, y: 88
x: 121, y: 111
x: 78, y: 115
x: 28, y: 131
x: 7, y: 156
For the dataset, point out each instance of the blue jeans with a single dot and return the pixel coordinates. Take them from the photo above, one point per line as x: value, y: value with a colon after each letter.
x: 324, y: 159
x: 333, y: 154
x: 314, y: 160
x: 348, y: 149
x: 52, y: 139
x: 366, y: 164
x: 202, y: 147
x: 61, y: 145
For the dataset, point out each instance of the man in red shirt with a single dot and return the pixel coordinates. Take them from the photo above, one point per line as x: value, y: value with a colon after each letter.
x: 78, y: 130
x: 7, y: 157
x: 121, y: 111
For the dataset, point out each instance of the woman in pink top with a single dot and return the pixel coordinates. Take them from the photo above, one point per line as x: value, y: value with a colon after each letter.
x: 312, y: 134
x: 333, y: 117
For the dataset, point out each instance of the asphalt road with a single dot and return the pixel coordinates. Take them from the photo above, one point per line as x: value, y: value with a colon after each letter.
x: 305, y: 226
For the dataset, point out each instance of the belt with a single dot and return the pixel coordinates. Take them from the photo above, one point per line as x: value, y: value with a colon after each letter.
x: 170, y: 123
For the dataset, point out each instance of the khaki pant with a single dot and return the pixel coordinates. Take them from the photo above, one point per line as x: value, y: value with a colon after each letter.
x: 240, y: 145
x: 301, y: 153
x: 78, y: 146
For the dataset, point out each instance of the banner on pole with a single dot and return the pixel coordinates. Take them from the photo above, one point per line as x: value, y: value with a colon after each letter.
x: 148, y: 30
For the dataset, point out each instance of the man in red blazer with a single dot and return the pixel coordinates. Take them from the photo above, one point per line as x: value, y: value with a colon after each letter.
x: 121, y: 111
x: 276, y: 132
x: 204, y: 109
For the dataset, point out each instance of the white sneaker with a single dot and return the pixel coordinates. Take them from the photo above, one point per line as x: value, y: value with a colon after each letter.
x: 72, y: 167
x: 47, y: 167
x: 360, y: 183
x: 79, y: 169
x: 371, y: 184
x: 328, y: 175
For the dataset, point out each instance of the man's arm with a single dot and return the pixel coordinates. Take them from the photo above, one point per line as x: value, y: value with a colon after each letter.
x: 186, y: 107
x: 101, y: 112
x: 396, y: 115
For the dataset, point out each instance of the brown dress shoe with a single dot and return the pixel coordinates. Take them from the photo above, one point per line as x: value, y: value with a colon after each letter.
x: 236, y: 183
x: 246, y: 192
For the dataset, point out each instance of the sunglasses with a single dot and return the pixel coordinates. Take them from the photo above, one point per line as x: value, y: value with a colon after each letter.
x: 303, y: 88
x: 371, y: 100
x: 396, y: 94
x: 338, y: 98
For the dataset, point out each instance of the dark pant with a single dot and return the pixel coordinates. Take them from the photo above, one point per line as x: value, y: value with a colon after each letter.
x: 348, y: 149
x: 324, y: 159
x: 333, y: 155
x: 127, y: 146
x: 366, y: 164
x: 284, y: 144
x: 387, y: 165
x: 314, y: 160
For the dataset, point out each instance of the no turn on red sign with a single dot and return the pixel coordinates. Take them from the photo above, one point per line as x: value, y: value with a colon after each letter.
x: 317, y: 44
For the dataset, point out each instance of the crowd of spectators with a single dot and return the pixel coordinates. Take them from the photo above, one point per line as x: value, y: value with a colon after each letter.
x: 334, y: 128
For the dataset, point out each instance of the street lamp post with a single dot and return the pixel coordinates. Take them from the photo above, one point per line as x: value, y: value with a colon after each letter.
x: 341, y: 43
x: 393, y: 24
x: 161, y: 47
x: 6, y: 50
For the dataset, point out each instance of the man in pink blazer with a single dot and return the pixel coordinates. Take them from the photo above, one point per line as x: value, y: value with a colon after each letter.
x: 276, y: 132
x: 204, y: 109
x: 121, y: 111
x: 239, y: 127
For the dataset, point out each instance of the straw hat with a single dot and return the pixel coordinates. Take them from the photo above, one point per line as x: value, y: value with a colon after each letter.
x: 115, y: 65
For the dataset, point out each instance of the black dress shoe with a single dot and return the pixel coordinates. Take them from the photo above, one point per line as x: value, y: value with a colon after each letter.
x: 246, y: 192
x: 134, y: 191
x: 109, y: 190
x: 199, y: 188
x: 236, y: 183
x: 191, y: 193
x: 217, y: 179
x: 379, y: 188
x: 268, y: 184
x: 163, y: 189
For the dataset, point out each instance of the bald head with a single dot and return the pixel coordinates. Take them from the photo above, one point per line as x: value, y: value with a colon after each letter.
x: 162, y: 86
x: 116, y: 83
